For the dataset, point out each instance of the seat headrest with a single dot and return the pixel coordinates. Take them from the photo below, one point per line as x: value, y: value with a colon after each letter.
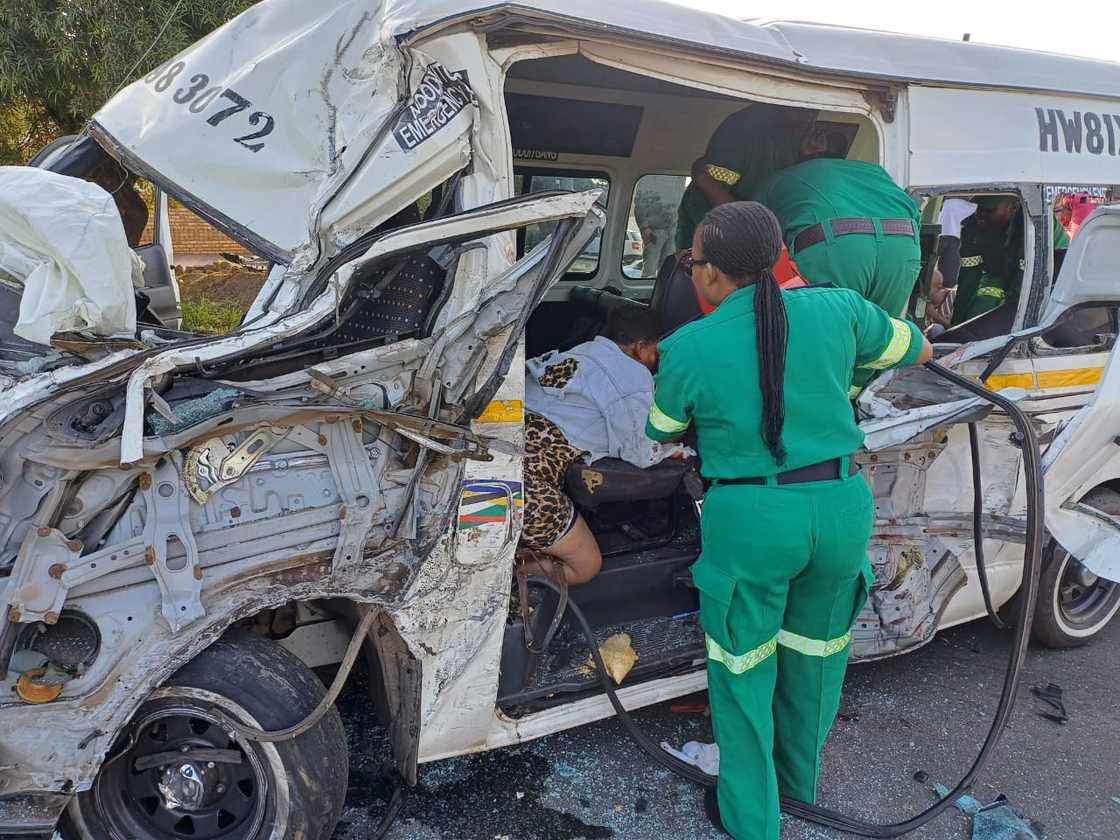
x: 674, y: 297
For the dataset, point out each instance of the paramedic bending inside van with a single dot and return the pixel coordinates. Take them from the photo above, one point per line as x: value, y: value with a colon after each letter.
x: 585, y: 404
x: 783, y: 569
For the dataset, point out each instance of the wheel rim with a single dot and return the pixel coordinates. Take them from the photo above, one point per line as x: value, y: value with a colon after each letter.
x: 1083, y: 599
x: 186, y: 796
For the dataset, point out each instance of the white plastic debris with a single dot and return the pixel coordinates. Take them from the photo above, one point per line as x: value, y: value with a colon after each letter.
x: 63, y: 240
x: 704, y: 756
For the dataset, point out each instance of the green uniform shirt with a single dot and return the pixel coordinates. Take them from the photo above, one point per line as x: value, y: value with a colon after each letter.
x: 992, y: 264
x: 826, y: 188
x: 708, y: 375
x: 742, y: 152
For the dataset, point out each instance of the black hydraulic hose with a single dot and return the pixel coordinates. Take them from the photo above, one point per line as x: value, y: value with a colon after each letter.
x: 651, y: 747
x: 289, y: 733
x: 1027, y: 440
x: 977, y: 526
x: 392, y: 811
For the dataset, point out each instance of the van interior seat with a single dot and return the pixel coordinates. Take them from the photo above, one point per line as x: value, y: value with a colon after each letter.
x: 673, y: 299
x: 157, y: 274
x: 611, y: 480
x: 674, y: 296
x: 158, y: 294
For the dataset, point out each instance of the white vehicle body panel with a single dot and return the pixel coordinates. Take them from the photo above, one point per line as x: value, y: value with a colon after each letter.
x: 322, y: 76
x: 991, y: 137
x: 1086, y: 453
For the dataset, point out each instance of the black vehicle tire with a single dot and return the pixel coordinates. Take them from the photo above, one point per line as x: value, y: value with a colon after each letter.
x: 291, y: 789
x: 1075, y: 605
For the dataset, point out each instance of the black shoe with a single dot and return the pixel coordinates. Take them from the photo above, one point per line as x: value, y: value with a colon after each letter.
x: 711, y: 809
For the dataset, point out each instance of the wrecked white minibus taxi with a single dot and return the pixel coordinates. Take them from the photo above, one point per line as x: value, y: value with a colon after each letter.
x: 189, y: 524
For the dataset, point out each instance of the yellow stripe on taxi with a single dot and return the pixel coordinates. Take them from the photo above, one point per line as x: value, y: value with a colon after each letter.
x: 1063, y: 378
x: 502, y: 411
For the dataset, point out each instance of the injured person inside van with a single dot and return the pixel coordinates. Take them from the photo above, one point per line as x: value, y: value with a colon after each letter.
x: 585, y: 404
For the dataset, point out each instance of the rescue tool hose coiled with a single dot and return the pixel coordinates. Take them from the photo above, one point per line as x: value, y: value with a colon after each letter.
x: 1032, y: 469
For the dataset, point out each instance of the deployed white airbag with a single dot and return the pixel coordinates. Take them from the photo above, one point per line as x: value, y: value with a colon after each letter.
x: 63, y: 239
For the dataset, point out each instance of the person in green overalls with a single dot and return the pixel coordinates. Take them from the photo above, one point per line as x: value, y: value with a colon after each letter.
x: 748, y: 146
x: 992, y: 263
x: 783, y: 571
x: 847, y: 223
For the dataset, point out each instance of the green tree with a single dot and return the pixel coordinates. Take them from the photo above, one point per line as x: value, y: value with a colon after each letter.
x: 24, y: 129
x: 61, y: 59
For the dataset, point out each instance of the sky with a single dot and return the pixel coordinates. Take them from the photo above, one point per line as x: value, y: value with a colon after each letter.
x: 1089, y: 29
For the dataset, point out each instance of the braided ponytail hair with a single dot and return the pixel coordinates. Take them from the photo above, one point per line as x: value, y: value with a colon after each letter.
x: 743, y: 239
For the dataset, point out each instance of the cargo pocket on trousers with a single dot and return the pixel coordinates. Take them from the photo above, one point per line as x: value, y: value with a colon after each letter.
x: 729, y: 608
x: 864, y: 581
x: 717, y: 589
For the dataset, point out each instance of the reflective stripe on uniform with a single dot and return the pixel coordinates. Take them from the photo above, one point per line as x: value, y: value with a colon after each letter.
x: 1022, y: 265
x: 813, y: 647
x: 992, y: 292
x: 723, y: 175
x: 663, y: 422
x: 740, y: 664
x: 896, y: 350
x: 972, y: 262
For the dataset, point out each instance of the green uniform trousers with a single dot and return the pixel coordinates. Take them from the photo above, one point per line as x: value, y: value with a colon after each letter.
x: 883, y: 271
x: 782, y: 576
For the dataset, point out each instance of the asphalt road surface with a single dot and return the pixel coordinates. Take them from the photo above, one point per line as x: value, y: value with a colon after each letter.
x: 927, y: 711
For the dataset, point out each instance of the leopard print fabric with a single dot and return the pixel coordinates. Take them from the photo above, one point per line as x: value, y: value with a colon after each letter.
x: 560, y: 374
x: 549, y: 513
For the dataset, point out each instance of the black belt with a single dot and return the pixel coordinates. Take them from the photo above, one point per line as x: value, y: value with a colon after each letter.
x: 824, y: 471
x: 842, y: 227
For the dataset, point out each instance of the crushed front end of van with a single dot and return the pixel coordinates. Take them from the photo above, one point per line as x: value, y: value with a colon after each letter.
x: 158, y: 488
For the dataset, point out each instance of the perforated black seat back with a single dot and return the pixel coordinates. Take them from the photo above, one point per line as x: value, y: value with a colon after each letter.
x: 393, y: 300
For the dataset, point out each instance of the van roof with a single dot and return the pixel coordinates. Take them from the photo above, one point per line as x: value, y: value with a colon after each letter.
x: 805, y: 46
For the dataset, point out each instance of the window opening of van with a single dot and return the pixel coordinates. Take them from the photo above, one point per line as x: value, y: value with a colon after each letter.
x: 651, y: 225
x: 527, y: 181
x: 985, y: 300
x: 1090, y: 329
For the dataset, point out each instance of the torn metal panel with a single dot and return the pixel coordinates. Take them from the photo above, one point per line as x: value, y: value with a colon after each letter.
x: 480, y: 222
x: 401, y: 675
x: 167, y: 523
x: 40, y: 386
x: 355, y: 475
x: 425, y: 142
x: 1085, y: 453
x: 34, y: 591
x: 915, y: 580
x: 261, y: 136
x: 304, y: 481
x: 902, y: 404
x: 916, y: 573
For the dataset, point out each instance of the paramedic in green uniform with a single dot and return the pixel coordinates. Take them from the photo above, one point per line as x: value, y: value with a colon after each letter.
x: 992, y: 264
x: 748, y: 146
x: 783, y: 570
x: 847, y: 223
